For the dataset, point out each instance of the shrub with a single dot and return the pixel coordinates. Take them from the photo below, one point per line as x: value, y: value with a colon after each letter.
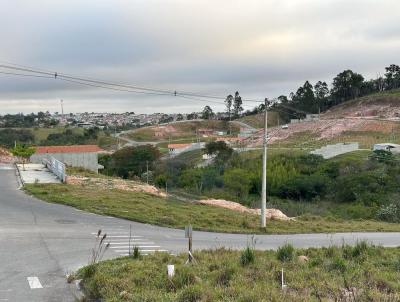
x: 191, y: 294
x: 285, y: 252
x: 338, y: 264
x: 360, y: 249
x: 136, y: 253
x: 184, y: 277
x: 224, y: 276
x: 247, y: 256
x: 304, y: 187
x: 389, y: 213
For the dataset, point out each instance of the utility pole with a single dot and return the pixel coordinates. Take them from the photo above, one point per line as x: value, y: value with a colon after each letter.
x: 264, y: 169
x: 62, y: 108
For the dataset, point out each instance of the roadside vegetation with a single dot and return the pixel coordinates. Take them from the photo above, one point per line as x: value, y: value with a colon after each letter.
x: 299, y: 184
x: 345, y: 273
x: 171, y: 212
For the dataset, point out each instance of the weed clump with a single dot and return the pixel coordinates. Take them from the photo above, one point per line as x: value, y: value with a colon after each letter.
x: 191, y: 294
x: 247, y: 256
x: 285, y: 252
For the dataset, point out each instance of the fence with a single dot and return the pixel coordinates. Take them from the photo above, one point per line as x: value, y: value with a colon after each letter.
x: 330, y: 151
x: 56, y: 167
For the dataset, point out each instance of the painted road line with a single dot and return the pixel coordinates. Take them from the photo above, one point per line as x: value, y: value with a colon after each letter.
x: 34, y: 282
x: 120, y: 236
x: 140, y: 250
x: 132, y: 243
x: 133, y: 246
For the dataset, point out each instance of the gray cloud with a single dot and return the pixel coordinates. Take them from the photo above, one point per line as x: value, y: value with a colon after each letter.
x: 261, y: 48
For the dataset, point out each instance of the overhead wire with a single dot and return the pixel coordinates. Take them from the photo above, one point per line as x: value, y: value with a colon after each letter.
x: 58, y: 75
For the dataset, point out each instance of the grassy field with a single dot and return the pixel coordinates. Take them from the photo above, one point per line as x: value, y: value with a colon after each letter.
x: 170, y: 212
x: 359, y: 273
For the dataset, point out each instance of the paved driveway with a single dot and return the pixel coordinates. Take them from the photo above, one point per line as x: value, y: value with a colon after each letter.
x: 41, y: 242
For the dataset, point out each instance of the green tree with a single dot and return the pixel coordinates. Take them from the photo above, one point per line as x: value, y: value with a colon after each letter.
x: 132, y: 161
x: 24, y: 152
x: 392, y: 76
x: 207, y: 113
x: 237, y: 104
x: 346, y: 85
x: 228, y: 103
x: 238, y: 181
x: 221, y: 151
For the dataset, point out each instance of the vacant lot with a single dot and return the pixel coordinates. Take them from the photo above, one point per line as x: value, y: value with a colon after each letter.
x: 170, y: 212
x: 360, y: 273
x: 182, y: 130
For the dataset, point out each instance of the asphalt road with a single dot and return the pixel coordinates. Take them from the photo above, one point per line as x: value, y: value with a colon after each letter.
x: 41, y: 242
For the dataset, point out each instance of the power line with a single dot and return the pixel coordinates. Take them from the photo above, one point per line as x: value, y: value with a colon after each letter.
x: 58, y: 75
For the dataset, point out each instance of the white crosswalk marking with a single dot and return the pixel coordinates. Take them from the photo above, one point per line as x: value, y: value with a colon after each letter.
x: 123, y: 243
x: 34, y: 282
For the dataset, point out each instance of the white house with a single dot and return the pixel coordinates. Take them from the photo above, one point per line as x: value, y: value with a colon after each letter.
x: 394, y: 148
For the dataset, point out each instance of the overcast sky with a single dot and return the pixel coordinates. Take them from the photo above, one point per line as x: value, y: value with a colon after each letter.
x: 262, y: 48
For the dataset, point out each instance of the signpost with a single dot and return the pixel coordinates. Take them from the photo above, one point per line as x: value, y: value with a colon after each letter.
x: 188, y: 234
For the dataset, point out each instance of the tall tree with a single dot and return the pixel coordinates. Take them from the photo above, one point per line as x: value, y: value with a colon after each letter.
x: 228, y: 103
x: 346, y: 85
x: 237, y: 104
x: 392, y: 76
x: 321, y: 92
x: 207, y: 113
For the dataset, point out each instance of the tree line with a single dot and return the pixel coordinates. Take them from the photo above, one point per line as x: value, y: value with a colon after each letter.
x: 316, y: 98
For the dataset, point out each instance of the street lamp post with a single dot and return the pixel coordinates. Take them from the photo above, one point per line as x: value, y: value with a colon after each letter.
x: 264, y: 169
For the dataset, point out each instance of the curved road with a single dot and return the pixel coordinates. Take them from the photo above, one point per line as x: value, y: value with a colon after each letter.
x: 41, y: 242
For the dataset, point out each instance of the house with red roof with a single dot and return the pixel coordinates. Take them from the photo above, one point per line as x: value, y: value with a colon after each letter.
x: 83, y: 156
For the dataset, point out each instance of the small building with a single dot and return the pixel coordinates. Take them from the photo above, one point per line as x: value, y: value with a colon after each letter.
x: 85, y: 125
x: 83, y: 156
x: 394, y: 148
x: 205, y: 131
x: 221, y: 133
x: 175, y: 149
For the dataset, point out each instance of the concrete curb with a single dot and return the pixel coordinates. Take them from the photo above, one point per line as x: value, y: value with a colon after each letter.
x: 19, y: 178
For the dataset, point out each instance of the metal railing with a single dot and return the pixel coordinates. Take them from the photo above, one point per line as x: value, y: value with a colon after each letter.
x: 56, y: 167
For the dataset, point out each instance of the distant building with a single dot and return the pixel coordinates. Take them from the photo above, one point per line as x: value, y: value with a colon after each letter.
x: 83, y: 156
x: 175, y: 149
x: 221, y: 133
x: 246, y: 132
x: 85, y: 125
x: 205, y: 132
x: 394, y: 148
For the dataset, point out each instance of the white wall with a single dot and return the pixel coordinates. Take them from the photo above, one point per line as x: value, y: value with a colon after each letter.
x: 86, y: 160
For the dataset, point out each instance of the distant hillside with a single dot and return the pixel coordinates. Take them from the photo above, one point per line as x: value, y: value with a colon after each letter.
x: 177, y: 130
x: 385, y: 105
x: 257, y: 120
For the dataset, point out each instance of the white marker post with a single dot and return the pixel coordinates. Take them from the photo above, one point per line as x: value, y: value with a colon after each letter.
x: 171, y: 270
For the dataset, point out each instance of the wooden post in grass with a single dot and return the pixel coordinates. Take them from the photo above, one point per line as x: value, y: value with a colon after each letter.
x: 188, y: 234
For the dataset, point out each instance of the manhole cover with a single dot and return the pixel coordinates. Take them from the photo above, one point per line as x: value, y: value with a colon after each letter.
x: 65, y: 221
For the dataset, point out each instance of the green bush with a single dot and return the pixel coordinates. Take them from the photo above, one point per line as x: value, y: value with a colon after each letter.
x: 389, y: 213
x: 304, y: 187
x: 247, y: 256
x: 285, y: 252
x: 337, y: 264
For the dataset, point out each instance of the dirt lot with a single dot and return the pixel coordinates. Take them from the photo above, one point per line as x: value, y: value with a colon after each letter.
x: 114, y: 183
x: 6, y: 157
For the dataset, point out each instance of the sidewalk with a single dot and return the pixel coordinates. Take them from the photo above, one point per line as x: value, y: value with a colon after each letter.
x: 36, y: 173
